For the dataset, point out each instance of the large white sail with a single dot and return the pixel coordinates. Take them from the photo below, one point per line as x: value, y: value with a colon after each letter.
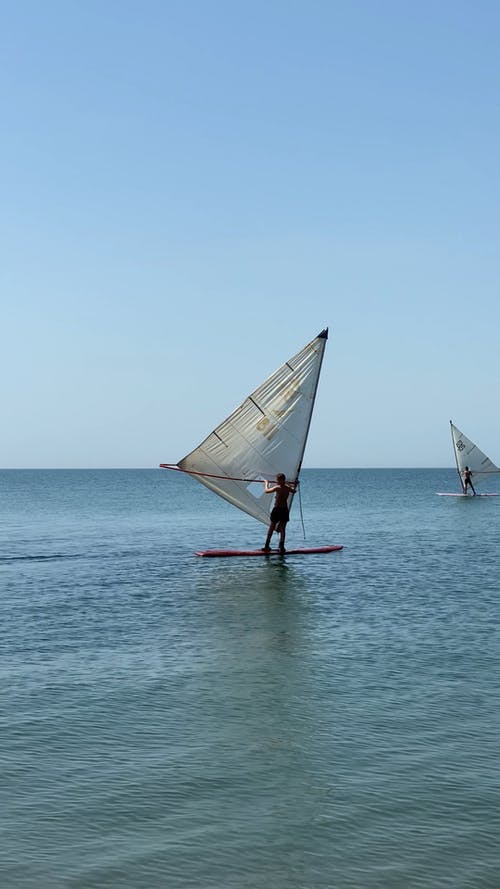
x: 468, y: 454
x: 265, y: 435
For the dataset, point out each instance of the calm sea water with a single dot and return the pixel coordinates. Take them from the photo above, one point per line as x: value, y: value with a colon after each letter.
x: 312, y: 722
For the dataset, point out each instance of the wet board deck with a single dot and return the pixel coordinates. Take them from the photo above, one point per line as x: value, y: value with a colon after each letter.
x: 441, y: 494
x: 305, y: 551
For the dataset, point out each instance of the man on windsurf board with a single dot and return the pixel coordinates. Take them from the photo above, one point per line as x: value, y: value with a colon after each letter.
x: 279, y: 512
x: 468, y: 480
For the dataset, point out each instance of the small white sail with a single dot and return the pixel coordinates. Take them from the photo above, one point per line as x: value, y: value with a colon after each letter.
x: 468, y: 454
x: 265, y: 435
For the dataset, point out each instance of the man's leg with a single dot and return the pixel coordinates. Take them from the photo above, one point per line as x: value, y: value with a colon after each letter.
x: 269, y: 535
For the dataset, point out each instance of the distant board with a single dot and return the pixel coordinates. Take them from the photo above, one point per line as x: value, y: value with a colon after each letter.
x: 308, y: 551
x: 441, y: 494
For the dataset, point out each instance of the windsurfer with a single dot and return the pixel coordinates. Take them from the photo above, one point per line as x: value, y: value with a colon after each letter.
x: 279, y: 512
x: 468, y: 480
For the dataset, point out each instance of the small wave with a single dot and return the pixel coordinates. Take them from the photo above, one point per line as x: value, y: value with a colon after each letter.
x: 50, y: 557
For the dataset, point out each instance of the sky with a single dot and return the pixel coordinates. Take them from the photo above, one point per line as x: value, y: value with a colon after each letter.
x: 192, y: 191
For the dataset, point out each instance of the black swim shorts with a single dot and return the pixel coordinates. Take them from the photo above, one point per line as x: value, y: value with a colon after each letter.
x: 280, y: 514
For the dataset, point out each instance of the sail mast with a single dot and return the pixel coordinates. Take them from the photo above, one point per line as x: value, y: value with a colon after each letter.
x: 321, y: 336
x: 456, y: 456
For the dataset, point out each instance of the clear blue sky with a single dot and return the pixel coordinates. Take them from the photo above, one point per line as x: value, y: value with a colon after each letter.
x: 191, y: 191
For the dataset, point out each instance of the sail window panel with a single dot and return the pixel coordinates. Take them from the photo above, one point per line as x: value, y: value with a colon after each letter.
x: 232, y: 490
x: 237, y: 494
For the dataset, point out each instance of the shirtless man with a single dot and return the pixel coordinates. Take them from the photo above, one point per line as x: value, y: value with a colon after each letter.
x: 468, y: 480
x: 279, y: 512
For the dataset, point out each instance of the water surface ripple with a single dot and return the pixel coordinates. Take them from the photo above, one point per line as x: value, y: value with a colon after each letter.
x: 295, y: 723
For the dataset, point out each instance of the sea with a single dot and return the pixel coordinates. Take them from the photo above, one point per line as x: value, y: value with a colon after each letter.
x: 282, y: 722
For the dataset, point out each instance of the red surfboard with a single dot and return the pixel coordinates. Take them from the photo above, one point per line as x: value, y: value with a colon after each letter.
x: 306, y: 551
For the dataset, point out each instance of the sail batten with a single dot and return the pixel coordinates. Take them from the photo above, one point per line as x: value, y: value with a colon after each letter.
x: 266, y: 434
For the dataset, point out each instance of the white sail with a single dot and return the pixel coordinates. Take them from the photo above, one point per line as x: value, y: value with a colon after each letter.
x: 264, y: 436
x: 468, y: 454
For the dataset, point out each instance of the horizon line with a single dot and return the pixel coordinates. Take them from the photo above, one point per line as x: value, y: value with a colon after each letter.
x: 155, y: 468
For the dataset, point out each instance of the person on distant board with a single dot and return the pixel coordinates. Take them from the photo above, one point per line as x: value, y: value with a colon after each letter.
x: 279, y: 512
x: 468, y: 480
